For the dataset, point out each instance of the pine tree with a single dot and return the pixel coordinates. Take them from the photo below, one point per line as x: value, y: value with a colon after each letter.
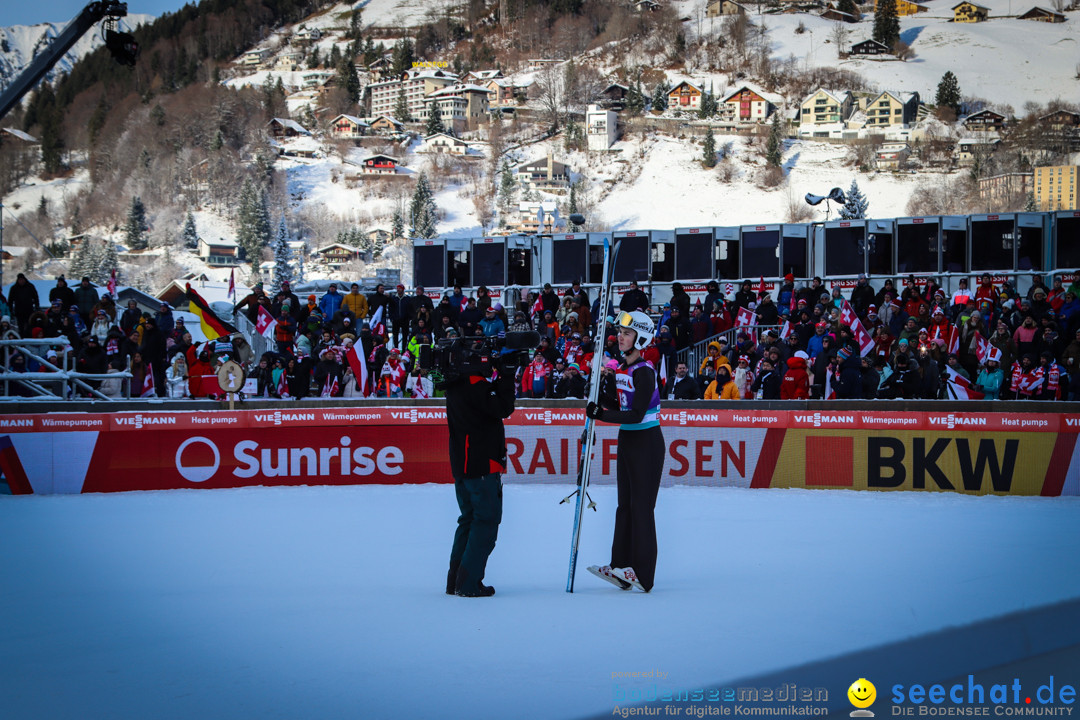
x: 507, y: 188
x: 403, y: 57
x: 107, y: 262
x: 856, y: 204
x: 397, y: 225
x: 217, y: 142
x: 313, y: 59
x: 300, y: 255
x: 190, y: 236
x: 709, y: 157
x: 85, y: 261
x: 423, y: 213
x: 659, y: 98
x: 572, y: 207
x: 135, y: 228
x: 774, y: 146
x: 886, y: 23
x: 434, y: 121
x: 282, y: 257
x: 348, y: 79
x: 401, y: 108
x: 635, y: 99
x: 948, y: 92
x: 1031, y: 205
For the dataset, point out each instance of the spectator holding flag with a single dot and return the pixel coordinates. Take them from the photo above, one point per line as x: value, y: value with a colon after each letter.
x: 392, y: 376
x: 327, y: 374
x: 991, y: 377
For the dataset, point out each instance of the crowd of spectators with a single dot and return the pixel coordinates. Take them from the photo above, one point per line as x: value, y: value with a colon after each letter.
x: 989, y: 339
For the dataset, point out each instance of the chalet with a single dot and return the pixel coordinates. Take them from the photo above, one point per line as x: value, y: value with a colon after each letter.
x: 317, y: 80
x: 14, y: 252
x: 254, y: 58
x: 500, y: 92
x: 746, y: 104
x: 1042, y: 15
x: 481, y: 77
x: 1061, y: 120
x: 870, y: 47
x: 685, y: 95
x: 287, y: 61
x: 305, y: 36
x: 831, y: 13
x: 984, y: 121
x: 825, y: 107
x: 718, y: 8
x: 544, y: 174
x: 541, y: 63
x: 906, y: 7
x: 220, y: 252
x: 379, y: 165
x: 969, y: 12
x: 528, y: 218
x: 386, y: 125
x: 336, y: 255
x: 890, y: 110
x: 968, y: 149
x: 614, y: 96
x: 645, y: 5
x: 891, y: 156
x: 380, y: 68
x: 348, y: 127
x: 444, y: 143
x: 285, y: 128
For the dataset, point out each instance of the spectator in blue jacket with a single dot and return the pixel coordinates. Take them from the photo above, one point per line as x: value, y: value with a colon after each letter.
x: 330, y: 303
x: 492, y: 324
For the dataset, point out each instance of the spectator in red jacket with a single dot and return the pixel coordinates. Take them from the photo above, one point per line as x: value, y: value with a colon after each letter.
x: 795, y: 385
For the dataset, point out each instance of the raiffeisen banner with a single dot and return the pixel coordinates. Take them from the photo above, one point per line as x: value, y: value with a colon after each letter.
x: 975, y: 453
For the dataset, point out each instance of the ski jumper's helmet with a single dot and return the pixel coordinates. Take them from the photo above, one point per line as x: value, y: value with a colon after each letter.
x: 640, y: 323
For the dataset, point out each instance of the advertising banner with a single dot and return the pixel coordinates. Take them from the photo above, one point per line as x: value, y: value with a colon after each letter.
x: 975, y: 453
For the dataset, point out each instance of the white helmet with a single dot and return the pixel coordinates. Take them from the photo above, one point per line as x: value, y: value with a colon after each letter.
x: 640, y: 323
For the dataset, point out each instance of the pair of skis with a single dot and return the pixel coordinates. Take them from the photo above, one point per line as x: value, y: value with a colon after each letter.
x: 585, y: 457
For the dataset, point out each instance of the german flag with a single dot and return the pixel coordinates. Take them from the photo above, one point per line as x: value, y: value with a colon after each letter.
x: 212, y: 327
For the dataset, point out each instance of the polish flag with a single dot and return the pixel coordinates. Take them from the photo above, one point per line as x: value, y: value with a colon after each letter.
x: 745, y: 317
x: 265, y: 324
x: 960, y: 388
x: 148, y: 386
x: 785, y: 330
x: 851, y: 319
x: 830, y: 391
x: 663, y: 372
x: 359, y: 368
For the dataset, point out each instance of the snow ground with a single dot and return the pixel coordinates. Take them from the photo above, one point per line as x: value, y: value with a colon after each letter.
x: 327, y: 602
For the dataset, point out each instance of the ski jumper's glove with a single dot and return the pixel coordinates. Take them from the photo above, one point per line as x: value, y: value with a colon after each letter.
x: 594, y: 411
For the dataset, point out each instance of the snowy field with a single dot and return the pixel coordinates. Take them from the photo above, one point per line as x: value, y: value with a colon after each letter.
x: 327, y: 602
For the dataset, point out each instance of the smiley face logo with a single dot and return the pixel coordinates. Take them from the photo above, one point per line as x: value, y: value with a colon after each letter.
x: 862, y: 694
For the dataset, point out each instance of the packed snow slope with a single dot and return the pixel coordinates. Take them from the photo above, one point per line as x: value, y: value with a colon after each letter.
x: 328, y: 602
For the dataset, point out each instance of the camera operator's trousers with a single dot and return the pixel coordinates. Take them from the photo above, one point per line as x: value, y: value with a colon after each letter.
x: 480, y: 502
x: 639, y: 466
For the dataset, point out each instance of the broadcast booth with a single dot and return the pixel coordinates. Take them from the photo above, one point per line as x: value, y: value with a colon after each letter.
x: 795, y: 250
x: 632, y: 261
x: 761, y: 251
x: 566, y: 257
x: 429, y: 263
x: 489, y: 262
x: 693, y: 254
x: 1067, y: 252
x: 726, y: 260
x: 843, y: 249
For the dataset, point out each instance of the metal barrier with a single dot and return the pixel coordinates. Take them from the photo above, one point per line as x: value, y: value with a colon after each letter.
x: 60, y: 375
x: 696, y: 353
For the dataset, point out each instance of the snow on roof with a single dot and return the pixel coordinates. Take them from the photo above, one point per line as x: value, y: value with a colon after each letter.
x: 968, y: 2
x: 458, y: 88
x: 291, y: 124
x: 21, y: 135
x: 351, y: 118
x: 343, y: 246
x: 456, y: 140
x: 220, y: 242
x: 836, y: 95
x: 532, y: 206
x: 486, y: 74
x: 765, y: 95
x: 684, y: 82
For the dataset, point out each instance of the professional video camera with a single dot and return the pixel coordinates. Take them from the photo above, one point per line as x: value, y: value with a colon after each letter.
x: 461, y: 357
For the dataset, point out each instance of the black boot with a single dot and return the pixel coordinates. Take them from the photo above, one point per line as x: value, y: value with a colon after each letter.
x: 451, y: 580
x: 467, y: 589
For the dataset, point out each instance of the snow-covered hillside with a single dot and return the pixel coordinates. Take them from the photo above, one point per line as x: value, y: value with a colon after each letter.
x: 20, y: 43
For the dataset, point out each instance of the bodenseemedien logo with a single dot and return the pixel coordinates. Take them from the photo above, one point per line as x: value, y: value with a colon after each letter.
x: 862, y: 694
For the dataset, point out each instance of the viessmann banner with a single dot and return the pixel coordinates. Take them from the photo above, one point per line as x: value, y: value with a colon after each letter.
x: 976, y: 453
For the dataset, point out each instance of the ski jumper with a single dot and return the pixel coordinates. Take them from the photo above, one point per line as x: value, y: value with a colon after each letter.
x: 639, y: 465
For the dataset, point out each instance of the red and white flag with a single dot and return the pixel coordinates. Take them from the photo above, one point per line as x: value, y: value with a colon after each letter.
x: 785, y: 330
x: 538, y: 308
x: 849, y: 318
x: 111, y: 285
x: 663, y: 373
x: 830, y: 391
x: 148, y: 385
x: 954, y: 340
x: 283, y: 387
x: 330, y: 387
x: 982, y: 348
x: 232, y: 285
x: 378, y: 327
x: 745, y: 317
x: 265, y: 324
x: 729, y: 289
x: 994, y: 354
x: 960, y: 387
x: 464, y: 302
x: 761, y: 286
x: 359, y: 368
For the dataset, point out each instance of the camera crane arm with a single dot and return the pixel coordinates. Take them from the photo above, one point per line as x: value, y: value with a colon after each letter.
x: 121, y: 45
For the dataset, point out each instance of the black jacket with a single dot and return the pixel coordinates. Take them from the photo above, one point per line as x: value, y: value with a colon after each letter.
x: 475, y: 409
x: 769, y: 385
x: 685, y: 389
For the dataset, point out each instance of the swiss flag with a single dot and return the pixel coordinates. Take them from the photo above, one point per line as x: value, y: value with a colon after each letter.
x: 745, y: 317
x: 982, y: 348
x: 849, y: 318
x: 265, y: 324
x: 960, y: 388
x: 148, y: 385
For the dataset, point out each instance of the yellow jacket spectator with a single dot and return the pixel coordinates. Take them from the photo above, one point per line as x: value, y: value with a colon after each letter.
x: 356, y: 301
x: 723, y: 387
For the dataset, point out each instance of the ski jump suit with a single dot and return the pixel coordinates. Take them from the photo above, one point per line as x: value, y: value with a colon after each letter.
x: 639, y: 465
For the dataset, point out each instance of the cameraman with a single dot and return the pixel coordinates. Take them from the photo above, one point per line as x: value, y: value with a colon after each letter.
x: 476, y: 404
